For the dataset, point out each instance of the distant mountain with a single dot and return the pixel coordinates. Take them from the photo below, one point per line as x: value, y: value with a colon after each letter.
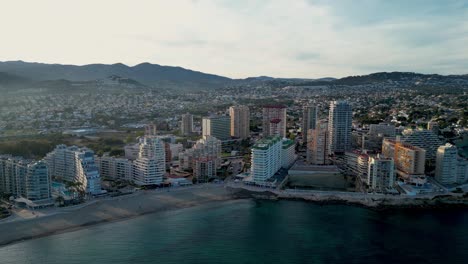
x: 393, y: 79
x: 117, y: 80
x: 415, y: 78
x: 7, y: 79
x: 145, y: 73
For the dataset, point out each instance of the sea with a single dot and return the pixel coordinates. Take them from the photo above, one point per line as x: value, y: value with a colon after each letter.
x: 250, y: 231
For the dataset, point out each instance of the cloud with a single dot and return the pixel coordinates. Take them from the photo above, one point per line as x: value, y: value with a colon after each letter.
x: 303, y: 38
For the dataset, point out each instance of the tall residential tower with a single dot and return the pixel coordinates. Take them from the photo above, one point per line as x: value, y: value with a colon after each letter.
x: 274, y: 121
x: 309, y: 120
x: 339, y: 127
x: 240, y: 121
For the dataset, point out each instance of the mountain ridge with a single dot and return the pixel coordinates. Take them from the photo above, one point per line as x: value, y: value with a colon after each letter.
x: 147, y: 74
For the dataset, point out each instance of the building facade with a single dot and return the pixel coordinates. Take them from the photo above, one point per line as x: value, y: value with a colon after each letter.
x: 339, y: 127
x: 25, y: 178
x: 274, y: 121
x: 409, y: 160
x: 317, y: 144
x: 309, y: 120
x: 217, y: 126
x: 269, y: 155
x: 425, y: 139
x: 186, y: 124
x: 205, y: 168
x: 450, y: 168
x: 74, y: 164
x: 381, y: 173
x: 150, y: 166
x: 240, y: 121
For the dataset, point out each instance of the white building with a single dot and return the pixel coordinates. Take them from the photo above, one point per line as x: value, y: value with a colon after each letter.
x: 75, y: 164
x: 446, y: 164
x: 240, y: 121
x: 269, y: 155
x: 339, y: 127
x: 114, y: 168
x: 266, y: 158
x: 150, y: 166
x: 381, y: 173
x: 450, y: 168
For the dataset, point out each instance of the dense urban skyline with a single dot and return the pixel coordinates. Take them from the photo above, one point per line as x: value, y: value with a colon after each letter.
x: 239, y: 39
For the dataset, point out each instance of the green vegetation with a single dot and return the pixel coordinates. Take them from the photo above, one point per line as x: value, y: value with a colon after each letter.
x: 33, y: 148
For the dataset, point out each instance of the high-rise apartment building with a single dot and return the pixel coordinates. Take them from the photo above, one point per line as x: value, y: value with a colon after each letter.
x: 269, y: 155
x: 240, y: 121
x: 208, y: 147
x: 450, y: 168
x: 339, y: 127
x: 25, y: 178
x: 274, y: 121
x: 381, y: 173
x: 309, y: 120
x: 425, y: 139
x: 150, y: 166
x: 186, y: 124
x: 409, y: 160
x: 75, y: 164
x: 317, y: 144
x: 114, y: 168
x: 217, y: 126
x: 205, y: 168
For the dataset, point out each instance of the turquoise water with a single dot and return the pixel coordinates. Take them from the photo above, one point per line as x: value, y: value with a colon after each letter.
x: 259, y: 232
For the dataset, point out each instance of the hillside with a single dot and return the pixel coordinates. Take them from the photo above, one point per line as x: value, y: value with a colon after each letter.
x: 146, y: 73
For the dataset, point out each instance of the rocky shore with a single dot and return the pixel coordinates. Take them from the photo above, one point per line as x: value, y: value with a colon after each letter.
x: 374, y: 202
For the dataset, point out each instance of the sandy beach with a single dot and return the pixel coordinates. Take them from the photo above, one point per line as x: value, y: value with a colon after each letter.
x: 110, y: 209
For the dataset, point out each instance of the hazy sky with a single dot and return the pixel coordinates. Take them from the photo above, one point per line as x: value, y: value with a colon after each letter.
x: 236, y: 38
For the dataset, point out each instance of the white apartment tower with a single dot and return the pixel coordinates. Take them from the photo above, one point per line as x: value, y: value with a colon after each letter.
x: 381, y: 173
x: 269, y: 155
x: 274, y: 121
x: 240, y: 121
x: 339, y: 127
x: 150, y: 166
x: 446, y: 164
x: 75, y: 164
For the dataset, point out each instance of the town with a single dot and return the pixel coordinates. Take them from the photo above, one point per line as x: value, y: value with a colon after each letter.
x: 260, y: 136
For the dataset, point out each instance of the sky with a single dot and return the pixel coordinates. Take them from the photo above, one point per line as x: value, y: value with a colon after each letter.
x: 242, y: 38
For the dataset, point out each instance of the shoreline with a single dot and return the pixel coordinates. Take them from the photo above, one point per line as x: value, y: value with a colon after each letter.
x: 150, y: 202
x: 371, y: 202
x: 108, y: 211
